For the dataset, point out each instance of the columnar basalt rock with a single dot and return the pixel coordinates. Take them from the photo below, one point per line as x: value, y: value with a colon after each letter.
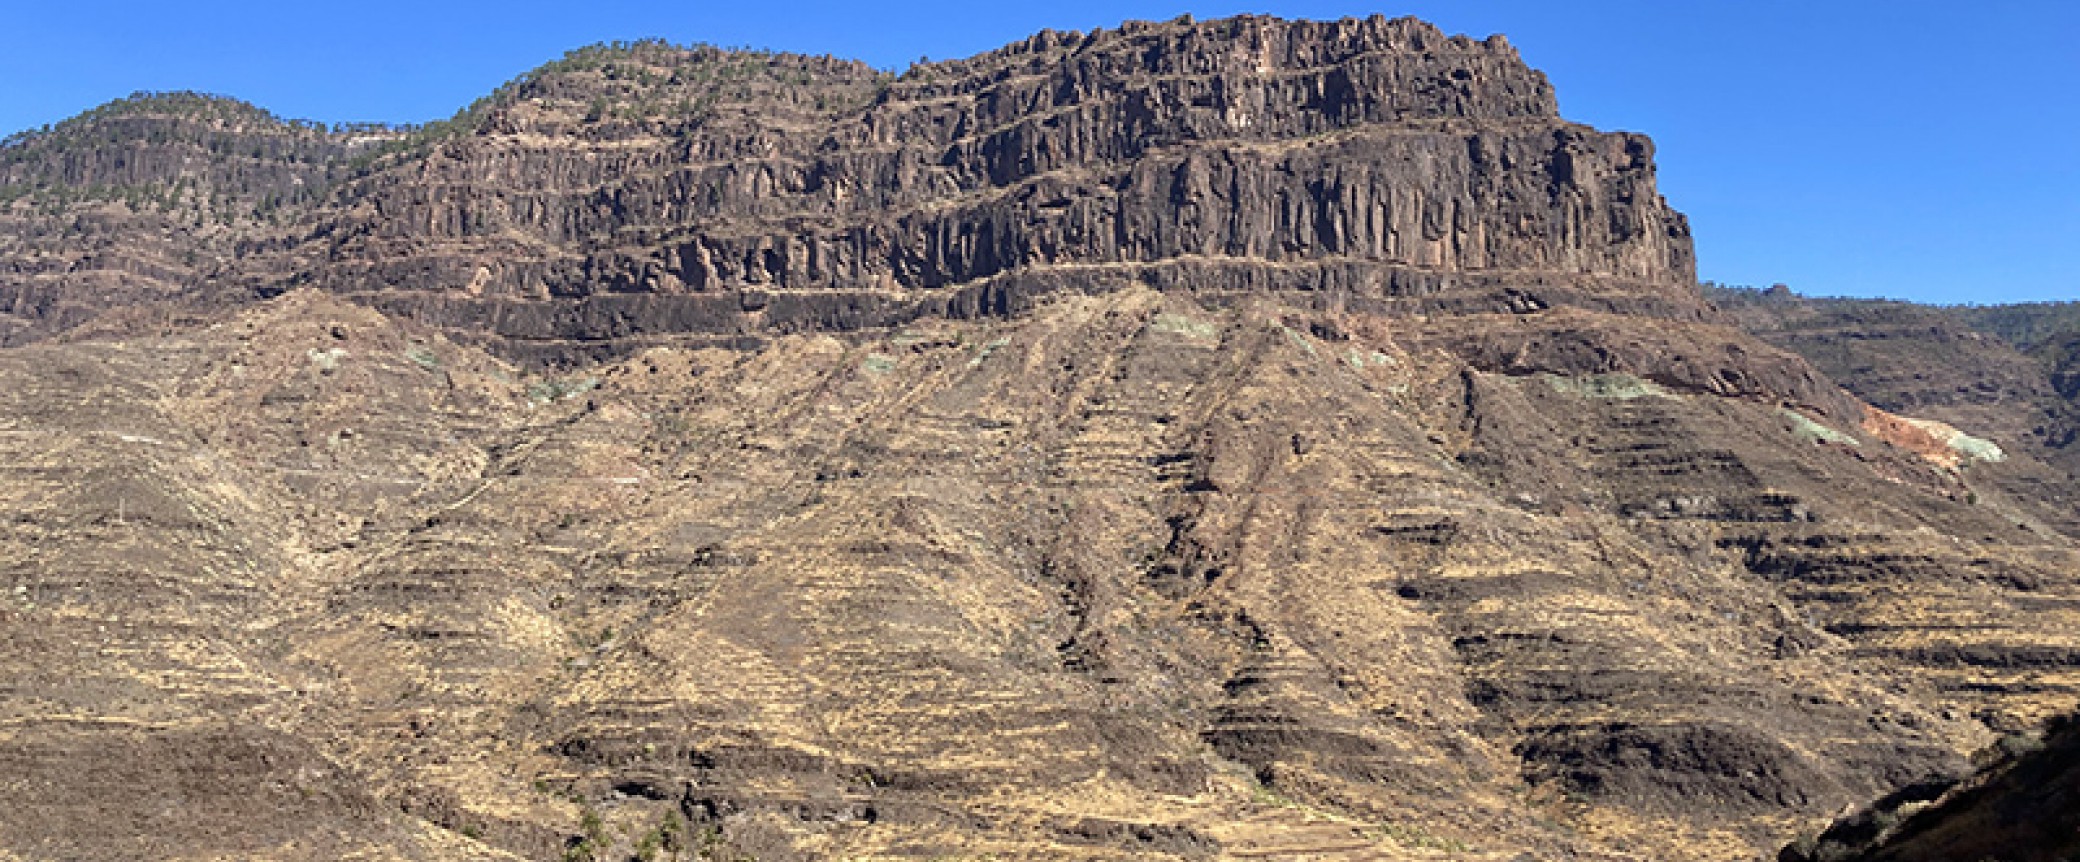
x: 147, y: 199
x: 1381, y: 146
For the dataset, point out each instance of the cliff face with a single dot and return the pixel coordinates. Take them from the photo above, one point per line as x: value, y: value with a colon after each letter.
x: 631, y: 196
x: 1196, y: 440
x: 662, y: 191
x: 144, y: 200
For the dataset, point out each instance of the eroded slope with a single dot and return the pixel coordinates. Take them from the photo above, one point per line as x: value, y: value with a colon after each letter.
x: 1126, y: 576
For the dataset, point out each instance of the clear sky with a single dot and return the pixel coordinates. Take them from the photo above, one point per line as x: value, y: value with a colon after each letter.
x: 1907, y: 148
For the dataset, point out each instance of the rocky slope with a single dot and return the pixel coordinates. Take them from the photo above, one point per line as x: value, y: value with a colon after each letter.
x: 2049, y: 331
x: 2005, y: 371
x: 1241, y: 439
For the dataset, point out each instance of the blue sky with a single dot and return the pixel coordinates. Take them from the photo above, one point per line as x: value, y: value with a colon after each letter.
x: 1913, y: 149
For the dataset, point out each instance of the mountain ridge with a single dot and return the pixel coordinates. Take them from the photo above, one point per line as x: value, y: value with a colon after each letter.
x: 692, y: 281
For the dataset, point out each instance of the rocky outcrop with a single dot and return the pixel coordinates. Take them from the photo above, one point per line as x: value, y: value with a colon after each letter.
x: 1405, y: 161
x: 147, y: 199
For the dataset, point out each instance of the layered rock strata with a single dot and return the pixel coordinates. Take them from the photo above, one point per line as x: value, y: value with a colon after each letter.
x: 1369, y: 161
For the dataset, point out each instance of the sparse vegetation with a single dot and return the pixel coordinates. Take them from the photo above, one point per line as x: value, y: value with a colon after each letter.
x: 122, y: 152
x: 557, y: 389
x: 1415, y: 837
x: 593, y: 640
x: 650, y: 82
x: 1805, y: 428
x: 2029, y: 325
x: 668, y: 837
x: 592, y: 842
x: 1614, y: 387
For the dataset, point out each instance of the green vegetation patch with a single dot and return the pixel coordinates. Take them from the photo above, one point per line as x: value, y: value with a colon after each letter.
x: 1610, y: 387
x: 989, y: 347
x: 545, y: 391
x: 1804, y: 428
x: 878, y: 363
x: 1178, y: 324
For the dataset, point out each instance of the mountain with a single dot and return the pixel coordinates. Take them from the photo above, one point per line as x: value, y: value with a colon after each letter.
x: 1232, y: 439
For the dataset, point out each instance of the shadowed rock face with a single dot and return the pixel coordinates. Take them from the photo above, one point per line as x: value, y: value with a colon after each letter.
x: 1223, y: 440
x: 2018, y: 806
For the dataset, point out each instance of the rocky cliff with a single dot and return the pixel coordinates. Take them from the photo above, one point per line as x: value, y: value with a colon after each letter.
x: 1239, y: 439
x: 652, y: 190
x: 148, y: 199
x: 657, y: 191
